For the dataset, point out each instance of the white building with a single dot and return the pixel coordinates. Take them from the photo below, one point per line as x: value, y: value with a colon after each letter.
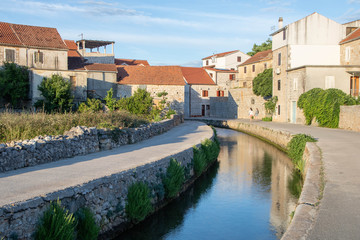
x: 226, y: 60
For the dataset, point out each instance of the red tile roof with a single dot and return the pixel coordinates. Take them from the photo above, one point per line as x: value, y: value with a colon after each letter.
x: 352, y: 36
x: 30, y: 36
x: 260, y: 56
x: 151, y: 75
x: 131, y: 62
x: 221, y: 54
x: 220, y: 70
x: 101, y: 67
x: 72, y: 48
x: 196, y: 76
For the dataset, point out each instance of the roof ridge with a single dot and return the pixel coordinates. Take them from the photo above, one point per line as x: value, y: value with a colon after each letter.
x: 10, y: 24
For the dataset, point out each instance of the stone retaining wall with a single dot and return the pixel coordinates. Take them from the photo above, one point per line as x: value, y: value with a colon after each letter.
x: 78, y: 141
x: 350, y: 118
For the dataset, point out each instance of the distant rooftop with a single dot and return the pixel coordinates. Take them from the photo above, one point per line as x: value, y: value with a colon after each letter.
x: 93, y: 43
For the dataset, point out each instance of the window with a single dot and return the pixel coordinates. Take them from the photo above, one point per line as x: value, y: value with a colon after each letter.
x: 207, y: 62
x: 279, y: 59
x: 284, y: 34
x: 244, y: 69
x: 252, y: 101
x: 9, y: 55
x: 253, y: 68
x: 244, y: 84
x: 265, y: 65
x: 211, y: 75
x: 295, y: 84
x: 39, y: 57
x: 279, y: 85
x: 219, y: 93
x: 232, y: 76
x: 347, y: 53
x: 329, y: 82
x: 278, y: 109
x: 239, y: 59
x: 205, y: 93
x: 73, y: 82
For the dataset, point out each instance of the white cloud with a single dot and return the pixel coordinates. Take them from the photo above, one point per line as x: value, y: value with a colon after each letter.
x: 353, y: 1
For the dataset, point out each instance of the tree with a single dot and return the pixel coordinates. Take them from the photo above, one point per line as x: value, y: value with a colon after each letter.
x: 267, y: 45
x: 140, y: 103
x: 57, y: 94
x: 262, y: 83
x: 14, y: 83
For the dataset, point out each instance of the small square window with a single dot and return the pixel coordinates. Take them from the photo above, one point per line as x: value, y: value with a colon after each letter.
x: 205, y: 93
x: 9, y: 55
x: 239, y: 59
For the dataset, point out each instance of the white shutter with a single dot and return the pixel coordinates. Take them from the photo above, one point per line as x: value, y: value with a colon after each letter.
x: 295, y: 84
x: 329, y: 82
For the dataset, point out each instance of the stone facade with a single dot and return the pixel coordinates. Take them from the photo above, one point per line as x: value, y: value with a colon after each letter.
x: 350, y: 118
x: 245, y: 77
x: 198, y: 104
x: 176, y: 94
x: 77, y: 141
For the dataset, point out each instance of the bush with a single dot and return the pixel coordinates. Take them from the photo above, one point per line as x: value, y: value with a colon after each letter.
x: 56, y: 224
x: 91, y: 105
x: 262, y: 83
x: 110, y: 101
x: 211, y: 150
x: 86, y: 226
x: 138, y: 204
x: 14, y: 83
x: 140, y: 103
x: 296, y: 149
x: 267, y: 119
x: 324, y: 105
x: 57, y: 94
x: 200, y: 162
x: 174, y: 178
x: 270, y: 105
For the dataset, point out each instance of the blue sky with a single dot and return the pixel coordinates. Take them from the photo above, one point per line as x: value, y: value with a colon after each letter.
x: 171, y: 32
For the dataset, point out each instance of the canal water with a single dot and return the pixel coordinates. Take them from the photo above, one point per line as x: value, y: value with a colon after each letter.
x: 249, y: 193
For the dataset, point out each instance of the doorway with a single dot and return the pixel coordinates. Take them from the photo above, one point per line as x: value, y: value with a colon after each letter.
x: 293, y: 112
x: 203, y: 110
x: 354, y: 86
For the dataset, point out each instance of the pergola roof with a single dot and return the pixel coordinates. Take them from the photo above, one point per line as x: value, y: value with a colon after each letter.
x: 94, y: 43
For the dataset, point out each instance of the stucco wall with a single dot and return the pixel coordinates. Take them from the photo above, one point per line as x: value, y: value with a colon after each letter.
x: 350, y: 118
x: 101, y: 82
x: 301, y: 55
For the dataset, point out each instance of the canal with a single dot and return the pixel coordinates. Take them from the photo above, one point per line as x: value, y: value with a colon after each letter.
x: 249, y: 193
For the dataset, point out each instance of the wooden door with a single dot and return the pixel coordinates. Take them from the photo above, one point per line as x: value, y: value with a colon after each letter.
x: 354, y: 86
x: 202, y: 110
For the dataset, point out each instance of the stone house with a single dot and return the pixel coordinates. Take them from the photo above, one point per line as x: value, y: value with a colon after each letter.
x: 199, y: 88
x: 225, y: 60
x: 242, y: 92
x: 306, y: 55
x: 154, y: 79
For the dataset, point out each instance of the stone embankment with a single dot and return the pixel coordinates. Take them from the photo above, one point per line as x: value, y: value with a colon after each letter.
x: 98, y: 181
x: 78, y: 141
x: 307, y: 207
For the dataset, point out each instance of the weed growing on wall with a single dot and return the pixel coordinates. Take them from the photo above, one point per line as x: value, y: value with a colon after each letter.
x: 56, y: 224
x: 86, y: 226
x: 138, y: 204
x: 174, y: 178
x: 324, y: 105
x: 296, y: 149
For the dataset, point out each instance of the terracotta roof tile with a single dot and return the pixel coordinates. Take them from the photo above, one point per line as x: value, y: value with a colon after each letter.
x: 352, y: 36
x: 221, y: 54
x: 131, y: 62
x: 151, y: 75
x: 7, y: 35
x: 260, y: 56
x: 196, y: 76
x: 72, y: 52
x: 101, y: 67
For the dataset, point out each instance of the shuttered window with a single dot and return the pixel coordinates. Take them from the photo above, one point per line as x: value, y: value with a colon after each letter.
x: 39, y: 57
x: 205, y: 93
x: 9, y: 55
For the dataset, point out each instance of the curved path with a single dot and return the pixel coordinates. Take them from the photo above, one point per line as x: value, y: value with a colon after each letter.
x: 339, y: 211
x: 20, y: 185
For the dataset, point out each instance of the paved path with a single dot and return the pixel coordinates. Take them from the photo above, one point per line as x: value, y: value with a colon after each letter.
x: 27, y: 183
x: 339, y: 213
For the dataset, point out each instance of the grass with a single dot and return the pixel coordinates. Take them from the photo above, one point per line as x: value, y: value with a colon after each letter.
x: 21, y: 126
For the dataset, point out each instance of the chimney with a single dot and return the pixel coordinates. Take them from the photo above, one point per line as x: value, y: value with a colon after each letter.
x: 280, y: 22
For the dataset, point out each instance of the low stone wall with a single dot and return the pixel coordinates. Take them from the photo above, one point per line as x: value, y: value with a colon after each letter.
x: 78, y: 141
x: 350, y: 118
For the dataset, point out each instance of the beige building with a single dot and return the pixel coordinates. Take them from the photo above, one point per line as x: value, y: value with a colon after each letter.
x: 307, y: 54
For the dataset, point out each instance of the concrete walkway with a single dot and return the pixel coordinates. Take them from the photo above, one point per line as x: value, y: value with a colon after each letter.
x: 339, y: 213
x: 23, y: 184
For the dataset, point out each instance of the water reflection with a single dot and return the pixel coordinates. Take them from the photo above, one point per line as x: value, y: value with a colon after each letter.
x: 245, y: 196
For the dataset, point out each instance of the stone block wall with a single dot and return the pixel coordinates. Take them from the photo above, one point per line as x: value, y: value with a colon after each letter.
x: 78, y: 141
x: 350, y: 118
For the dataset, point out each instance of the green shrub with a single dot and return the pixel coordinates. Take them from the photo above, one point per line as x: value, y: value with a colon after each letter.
x: 56, y: 224
x: 174, y: 178
x: 200, y: 162
x: 138, y: 204
x: 262, y: 83
x: 86, y: 226
x: 324, y: 105
x: 91, y: 105
x: 270, y: 105
x: 267, y: 119
x: 57, y: 94
x: 296, y: 149
x: 111, y: 102
x: 140, y: 103
x: 14, y: 83
x: 170, y: 112
x: 211, y: 150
